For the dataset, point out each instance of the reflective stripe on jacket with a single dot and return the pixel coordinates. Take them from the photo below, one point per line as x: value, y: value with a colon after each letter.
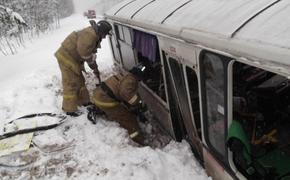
x: 69, y: 95
x: 105, y: 104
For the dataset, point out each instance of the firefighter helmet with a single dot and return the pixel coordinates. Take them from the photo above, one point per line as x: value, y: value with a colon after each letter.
x: 102, y: 28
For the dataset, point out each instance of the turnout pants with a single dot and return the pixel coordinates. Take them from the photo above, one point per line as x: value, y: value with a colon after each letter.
x: 126, y: 119
x: 75, y: 92
x: 118, y: 112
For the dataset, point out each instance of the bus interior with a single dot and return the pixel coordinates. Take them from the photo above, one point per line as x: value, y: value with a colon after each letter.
x: 259, y: 135
x: 146, y: 49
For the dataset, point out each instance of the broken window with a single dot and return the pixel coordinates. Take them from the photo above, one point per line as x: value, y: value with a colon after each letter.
x: 261, y: 110
x: 147, y: 50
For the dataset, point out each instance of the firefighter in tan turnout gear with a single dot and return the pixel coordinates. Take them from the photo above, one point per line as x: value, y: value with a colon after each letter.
x: 116, y: 95
x: 77, y: 48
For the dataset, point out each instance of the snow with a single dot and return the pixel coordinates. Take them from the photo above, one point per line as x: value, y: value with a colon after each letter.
x: 14, y: 15
x: 81, y: 6
x: 18, y: 17
x: 30, y: 82
x: 28, y: 123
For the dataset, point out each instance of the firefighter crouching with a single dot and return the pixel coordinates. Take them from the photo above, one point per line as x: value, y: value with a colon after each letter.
x: 116, y: 95
x: 77, y: 48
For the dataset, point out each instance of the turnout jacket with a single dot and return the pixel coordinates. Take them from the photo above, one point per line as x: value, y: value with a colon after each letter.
x: 116, y: 89
x: 78, y: 47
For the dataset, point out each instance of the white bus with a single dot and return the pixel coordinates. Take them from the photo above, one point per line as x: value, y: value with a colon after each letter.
x: 219, y: 78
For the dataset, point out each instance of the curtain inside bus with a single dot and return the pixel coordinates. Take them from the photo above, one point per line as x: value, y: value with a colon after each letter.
x: 146, y: 44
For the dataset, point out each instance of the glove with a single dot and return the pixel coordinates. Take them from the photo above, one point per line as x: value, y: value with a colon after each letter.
x: 139, y: 110
x: 142, y: 118
x: 93, y: 113
x: 92, y: 62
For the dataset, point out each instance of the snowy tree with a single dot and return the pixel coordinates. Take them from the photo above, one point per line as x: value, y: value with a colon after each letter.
x: 12, y: 26
x: 65, y: 7
x: 39, y: 16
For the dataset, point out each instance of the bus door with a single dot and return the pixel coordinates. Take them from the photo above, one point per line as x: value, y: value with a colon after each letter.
x: 115, y: 45
x: 183, y: 125
x: 124, y: 44
x: 214, y: 95
x: 194, y: 104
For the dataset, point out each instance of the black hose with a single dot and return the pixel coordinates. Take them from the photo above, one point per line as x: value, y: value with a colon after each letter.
x: 24, y: 131
x: 41, y: 114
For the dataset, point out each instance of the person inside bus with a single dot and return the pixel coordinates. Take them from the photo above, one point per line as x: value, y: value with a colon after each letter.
x: 117, y: 95
x: 77, y: 48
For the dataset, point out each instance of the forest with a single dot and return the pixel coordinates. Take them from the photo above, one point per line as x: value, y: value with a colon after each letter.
x: 22, y: 20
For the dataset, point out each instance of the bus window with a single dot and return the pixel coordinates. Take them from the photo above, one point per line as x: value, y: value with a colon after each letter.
x: 194, y: 97
x: 124, y: 44
x: 261, y: 113
x: 119, y: 32
x: 115, y: 45
x: 214, y: 100
x: 127, y: 35
x: 175, y: 110
x: 147, y: 49
x: 179, y: 90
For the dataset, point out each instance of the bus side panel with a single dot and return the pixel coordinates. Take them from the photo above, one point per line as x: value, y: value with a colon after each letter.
x: 213, y: 168
x: 157, y: 107
x: 178, y: 49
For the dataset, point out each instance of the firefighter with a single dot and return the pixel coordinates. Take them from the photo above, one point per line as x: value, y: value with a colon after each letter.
x: 116, y: 95
x: 77, y: 48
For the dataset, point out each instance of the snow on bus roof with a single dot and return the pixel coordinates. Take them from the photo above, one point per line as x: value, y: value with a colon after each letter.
x: 241, y: 27
x: 272, y: 27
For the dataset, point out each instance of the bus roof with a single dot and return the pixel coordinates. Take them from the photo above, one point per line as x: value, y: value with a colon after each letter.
x: 254, y: 29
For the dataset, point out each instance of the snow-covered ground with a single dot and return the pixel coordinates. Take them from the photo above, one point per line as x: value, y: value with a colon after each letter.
x: 30, y: 82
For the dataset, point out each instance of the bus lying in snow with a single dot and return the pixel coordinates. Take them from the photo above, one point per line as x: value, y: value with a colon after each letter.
x: 219, y: 78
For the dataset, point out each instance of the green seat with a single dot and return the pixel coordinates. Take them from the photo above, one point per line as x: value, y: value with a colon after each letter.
x: 275, y: 164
